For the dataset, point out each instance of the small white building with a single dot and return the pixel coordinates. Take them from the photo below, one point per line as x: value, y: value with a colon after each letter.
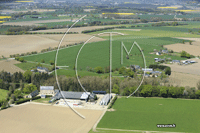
x: 147, y: 69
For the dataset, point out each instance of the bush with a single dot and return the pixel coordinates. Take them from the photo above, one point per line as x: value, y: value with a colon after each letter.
x: 98, y: 69
x: 3, y: 107
x: 121, y: 70
x: 51, y: 62
x: 42, y: 61
x: 37, y: 97
x: 22, y: 101
x: 168, y: 71
x: 21, y: 59
x: 146, y: 91
x: 164, y: 91
x: 197, y: 93
x: 112, y: 102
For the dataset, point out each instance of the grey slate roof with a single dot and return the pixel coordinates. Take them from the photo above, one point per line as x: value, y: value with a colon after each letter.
x: 156, y: 72
x: 34, y: 93
x: 46, y: 87
x: 68, y: 95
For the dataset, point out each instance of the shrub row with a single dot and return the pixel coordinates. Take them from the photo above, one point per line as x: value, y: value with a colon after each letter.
x: 50, y: 33
x: 27, y: 99
x: 37, y: 97
x: 163, y: 91
x: 22, y: 101
x: 112, y: 102
x: 94, y: 30
x: 162, y: 67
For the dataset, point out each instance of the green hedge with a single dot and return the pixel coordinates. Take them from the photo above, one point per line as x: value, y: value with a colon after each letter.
x: 22, y: 101
x: 112, y: 102
x: 34, y: 98
x: 27, y: 99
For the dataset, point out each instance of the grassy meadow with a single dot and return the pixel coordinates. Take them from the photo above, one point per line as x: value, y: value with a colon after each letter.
x: 146, y: 113
x: 97, y: 53
x: 3, y: 94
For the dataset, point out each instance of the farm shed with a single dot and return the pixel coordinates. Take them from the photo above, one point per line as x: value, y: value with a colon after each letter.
x: 106, y: 99
x: 47, y: 90
x: 33, y: 94
x: 42, y: 70
x: 159, y: 60
x: 158, y: 53
x: 175, y: 61
x: 71, y: 95
x: 99, y: 92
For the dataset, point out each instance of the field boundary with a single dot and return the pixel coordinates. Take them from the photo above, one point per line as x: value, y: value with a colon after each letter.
x: 95, y: 125
x: 137, y: 130
x: 49, y: 51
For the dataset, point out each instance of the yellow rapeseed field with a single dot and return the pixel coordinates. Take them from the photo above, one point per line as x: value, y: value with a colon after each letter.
x: 120, y: 13
x: 24, y: 1
x: 2, y: 21
x: 168, y: 7
x: 188, y: 10
x: 2, y: 17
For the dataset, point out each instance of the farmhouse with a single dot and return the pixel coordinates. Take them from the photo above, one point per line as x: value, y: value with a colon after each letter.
x: 159, y: 60
x: 175, y: 61
x: 42, y: 70
x: 47, y: 90
x: 164, y: 51
x: 33, y: 94
x: 147, y: 70
x: 158, y: 53
x: 156, y: 73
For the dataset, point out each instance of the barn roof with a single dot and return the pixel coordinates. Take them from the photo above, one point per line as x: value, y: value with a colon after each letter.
x: 71, y: 95
x: 46, y: 87
x: 34, y: 93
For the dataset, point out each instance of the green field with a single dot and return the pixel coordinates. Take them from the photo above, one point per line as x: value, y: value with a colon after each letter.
x: 145, y: 113
x: 167, y: 17
x: 3, y: 94
x: 31, y: 65
x: 43, y: 100
x: 97, y: 53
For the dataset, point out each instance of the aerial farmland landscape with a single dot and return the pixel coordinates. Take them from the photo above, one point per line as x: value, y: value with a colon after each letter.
x: 106, y: 66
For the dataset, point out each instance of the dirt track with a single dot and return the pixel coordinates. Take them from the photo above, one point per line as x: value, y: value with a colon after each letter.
x: 17, y: 44
x: 8, y: 65
x: 32, y: 118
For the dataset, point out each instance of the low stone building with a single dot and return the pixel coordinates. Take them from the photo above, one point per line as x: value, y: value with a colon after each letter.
x: 33, y: 94
x: 47, y: 90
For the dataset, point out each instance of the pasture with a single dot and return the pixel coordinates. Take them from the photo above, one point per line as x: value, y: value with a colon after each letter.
x: 97, y: 53
x: 3, y: 94
x: 145, y: 113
